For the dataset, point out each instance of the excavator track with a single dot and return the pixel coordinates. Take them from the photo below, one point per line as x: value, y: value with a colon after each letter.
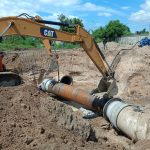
x: 8, y: 79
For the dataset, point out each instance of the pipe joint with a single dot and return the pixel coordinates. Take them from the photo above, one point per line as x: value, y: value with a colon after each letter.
x: 47, y: 84
x: 112, y: 109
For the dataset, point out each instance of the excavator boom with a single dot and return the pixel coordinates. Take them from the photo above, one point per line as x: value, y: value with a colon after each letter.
x: 36, y: 28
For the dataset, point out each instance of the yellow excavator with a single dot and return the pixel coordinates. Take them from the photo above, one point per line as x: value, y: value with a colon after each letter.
x: 25, y: 25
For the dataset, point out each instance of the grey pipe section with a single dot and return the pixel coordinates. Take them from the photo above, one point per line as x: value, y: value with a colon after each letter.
x: 131, y: 120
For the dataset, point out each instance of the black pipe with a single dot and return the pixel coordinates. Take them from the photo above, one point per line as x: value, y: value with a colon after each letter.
x: 54, y: 23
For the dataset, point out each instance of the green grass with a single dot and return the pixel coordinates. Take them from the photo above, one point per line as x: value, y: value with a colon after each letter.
x: 17, y: 42
x: 65, y: 46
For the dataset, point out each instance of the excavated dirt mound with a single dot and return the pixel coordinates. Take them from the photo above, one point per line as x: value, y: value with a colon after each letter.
x: 31, y: 119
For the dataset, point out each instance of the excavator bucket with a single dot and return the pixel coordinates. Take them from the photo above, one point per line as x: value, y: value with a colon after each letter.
x: 9, y: 79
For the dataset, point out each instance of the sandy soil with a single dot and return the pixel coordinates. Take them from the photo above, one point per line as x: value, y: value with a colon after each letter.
x: 31, y: 119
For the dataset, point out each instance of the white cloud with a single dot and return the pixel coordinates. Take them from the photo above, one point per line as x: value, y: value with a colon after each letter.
x: 16, y: 7
x: 60, y: 2
x: 52, y: 17
x: 143, y: 14
x: 12, y: 8
x: 50, y: 9
x: 125, y: 7
x: 146, y: 5
x: 105, y: 14
x: 73, y: 16
x: 93, y: 7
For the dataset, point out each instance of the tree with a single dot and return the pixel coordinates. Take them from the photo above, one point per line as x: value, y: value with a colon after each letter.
x: 111, y: 31
x: 72, y: 21
x: 98, y: 34
x: 142, y: 32
x: 115, y: 29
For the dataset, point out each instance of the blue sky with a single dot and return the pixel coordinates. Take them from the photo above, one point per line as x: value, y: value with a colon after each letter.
x: 94, y: 13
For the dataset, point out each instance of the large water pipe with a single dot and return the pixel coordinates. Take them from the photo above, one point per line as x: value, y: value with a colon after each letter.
x: 133, y: 121
x: 73, y: 94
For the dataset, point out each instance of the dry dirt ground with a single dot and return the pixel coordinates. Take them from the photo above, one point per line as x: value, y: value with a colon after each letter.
x: 31, y: 119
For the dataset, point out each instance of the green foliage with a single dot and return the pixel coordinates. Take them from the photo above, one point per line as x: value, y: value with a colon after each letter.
x: 17, y: 42
x: 111, y: 31
x: 142, y: 32
x: 98, y: 34
x: 115, y: 29
x: 65, y: 46
x: 71, y: 21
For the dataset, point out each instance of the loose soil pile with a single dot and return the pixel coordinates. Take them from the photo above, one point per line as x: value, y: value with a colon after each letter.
x: 31, y: 119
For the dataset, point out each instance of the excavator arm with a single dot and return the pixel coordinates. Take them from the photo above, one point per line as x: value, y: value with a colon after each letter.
x: 35, y: 27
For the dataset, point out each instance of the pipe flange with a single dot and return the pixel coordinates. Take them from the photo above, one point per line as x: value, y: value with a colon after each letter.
x: 46, y: 84
x: 112, y: 109
x: 106, y: 106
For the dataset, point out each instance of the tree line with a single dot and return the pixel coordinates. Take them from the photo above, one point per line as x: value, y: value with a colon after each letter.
x: 112, y: 31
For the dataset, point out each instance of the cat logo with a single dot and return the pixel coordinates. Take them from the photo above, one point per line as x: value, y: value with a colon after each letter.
x: 48, y: 33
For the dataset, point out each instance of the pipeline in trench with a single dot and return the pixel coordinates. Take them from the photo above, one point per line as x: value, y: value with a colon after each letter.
x: 131, y: 120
